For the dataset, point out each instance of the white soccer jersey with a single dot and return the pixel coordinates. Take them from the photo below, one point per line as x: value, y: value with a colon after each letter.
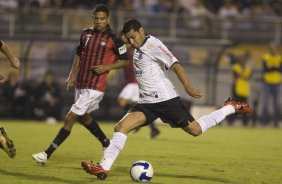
x: 151, y: 63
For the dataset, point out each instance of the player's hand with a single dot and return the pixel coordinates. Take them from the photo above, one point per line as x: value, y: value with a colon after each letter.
x: 194, y: 92
x: 69, y: 82
x: 99, y: 69
x: 15, y: 62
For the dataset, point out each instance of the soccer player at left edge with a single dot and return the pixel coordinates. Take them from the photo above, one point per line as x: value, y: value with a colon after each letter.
x: 5, y: 142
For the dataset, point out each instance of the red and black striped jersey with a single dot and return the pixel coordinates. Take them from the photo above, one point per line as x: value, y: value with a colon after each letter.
x: 129, y: 74
x: 97, y: 48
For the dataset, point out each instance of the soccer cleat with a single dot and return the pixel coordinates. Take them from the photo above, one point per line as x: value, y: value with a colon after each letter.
x: 40, y: 157
x: 7, y: 144
x: 240, y: 107
x: 94, y: 169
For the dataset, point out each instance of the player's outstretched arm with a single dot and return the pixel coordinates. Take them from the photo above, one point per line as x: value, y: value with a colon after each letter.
x: 99, y: 69
x: 183, y: 77
x: 15, y: 62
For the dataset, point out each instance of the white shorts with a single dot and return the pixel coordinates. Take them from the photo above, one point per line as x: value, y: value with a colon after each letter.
x: 86, y: 101
x: 130, y: 92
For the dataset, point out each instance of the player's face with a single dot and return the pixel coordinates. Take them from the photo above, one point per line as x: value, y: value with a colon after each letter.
x: 273, y: 48
x: 100, y: 20
x: 136, y: 38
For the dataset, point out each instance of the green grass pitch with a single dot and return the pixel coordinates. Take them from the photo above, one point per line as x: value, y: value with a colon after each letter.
x: 222, y: 155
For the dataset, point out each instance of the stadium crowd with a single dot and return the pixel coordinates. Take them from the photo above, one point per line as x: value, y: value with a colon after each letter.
x: 30, y: 100
x: 194, y: 7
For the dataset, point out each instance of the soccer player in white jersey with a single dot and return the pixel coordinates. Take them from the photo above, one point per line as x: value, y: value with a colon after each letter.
x: 158, y: 97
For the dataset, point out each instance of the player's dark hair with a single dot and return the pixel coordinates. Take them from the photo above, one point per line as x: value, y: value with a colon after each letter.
x: 101, y: 8
x: 131, y: 24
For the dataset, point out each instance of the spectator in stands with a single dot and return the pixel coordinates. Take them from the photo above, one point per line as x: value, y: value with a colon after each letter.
x: 16, y: 97
x: 163, y: 6
x: 259, y: 12
x: 38, y: 60
x: 277, y: 7
x: 271, y: 71
x: 184, y: 5
x: 34, y: 4
x: 198, y: 15
x: 228, y: 14
x: 8, y: 92
x: 263, y: 9
x: 9, y: 4
x: 49, y: 100
x: 213, y: 5
x: 54, y: 4
x: 144, y: 6
x: 85, y: 4
x: 127, y: 5
x: 241, y: 72
x: 68, y: 4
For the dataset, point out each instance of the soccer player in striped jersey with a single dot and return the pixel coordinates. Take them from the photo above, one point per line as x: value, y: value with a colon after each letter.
x: 5, y: 143
x: 98, y: 52
x: 157, y: 97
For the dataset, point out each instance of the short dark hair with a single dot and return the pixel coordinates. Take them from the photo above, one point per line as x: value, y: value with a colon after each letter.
x: 101, y: 8
x: 131, y: 24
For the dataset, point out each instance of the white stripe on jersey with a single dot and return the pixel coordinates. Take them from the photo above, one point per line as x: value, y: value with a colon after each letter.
x: 151, y: 62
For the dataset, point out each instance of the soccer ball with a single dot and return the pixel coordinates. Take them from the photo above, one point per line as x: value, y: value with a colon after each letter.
x: 141, y: 171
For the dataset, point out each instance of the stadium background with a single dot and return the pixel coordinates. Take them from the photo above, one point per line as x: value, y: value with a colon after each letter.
x: 44, y: 35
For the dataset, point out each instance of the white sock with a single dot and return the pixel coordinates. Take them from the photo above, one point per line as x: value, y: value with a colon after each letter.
x: 215, y: 117
x: 227, y: 110
x: 111, y: 153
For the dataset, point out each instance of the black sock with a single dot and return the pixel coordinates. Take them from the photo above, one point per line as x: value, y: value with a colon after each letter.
x: 153, y: 126
x: 59, y: 139
x: 98, y: 133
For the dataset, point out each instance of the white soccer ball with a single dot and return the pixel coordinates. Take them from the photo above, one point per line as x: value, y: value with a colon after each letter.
x: 141, y: 171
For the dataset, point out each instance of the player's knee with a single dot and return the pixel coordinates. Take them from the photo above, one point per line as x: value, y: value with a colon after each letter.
x: 193, y: 129
x: 118, y: 127
x: 196, y: 132
x: 70, y: 119
x: 121, y: 128
x: 85, y: 119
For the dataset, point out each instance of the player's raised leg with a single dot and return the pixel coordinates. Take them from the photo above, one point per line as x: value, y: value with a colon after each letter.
x: 129, y: 122
x: 231, y: 106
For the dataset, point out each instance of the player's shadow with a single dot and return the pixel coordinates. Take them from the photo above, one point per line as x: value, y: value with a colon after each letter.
x: 38, y: 178
x: 188, y: 177
x: 204, y: 178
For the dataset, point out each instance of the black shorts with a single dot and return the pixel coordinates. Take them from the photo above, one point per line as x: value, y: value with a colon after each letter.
x: 171, y: 111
